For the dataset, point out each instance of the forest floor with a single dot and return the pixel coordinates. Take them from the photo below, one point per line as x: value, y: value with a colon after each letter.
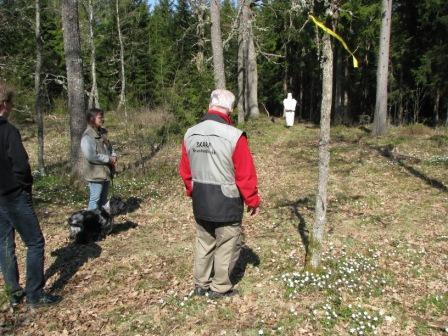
x: 386, y: 246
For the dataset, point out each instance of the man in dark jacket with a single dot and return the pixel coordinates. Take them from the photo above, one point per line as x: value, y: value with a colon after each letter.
x: 219, y: 174
x: 17, y: 214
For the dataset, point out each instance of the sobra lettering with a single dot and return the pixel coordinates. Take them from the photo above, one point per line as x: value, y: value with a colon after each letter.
x: 203, y: 144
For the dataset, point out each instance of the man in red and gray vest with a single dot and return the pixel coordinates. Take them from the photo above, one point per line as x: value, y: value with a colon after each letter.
x: 219, y: 174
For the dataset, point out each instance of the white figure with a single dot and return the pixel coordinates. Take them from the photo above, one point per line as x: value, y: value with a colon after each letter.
x: 289, y: 108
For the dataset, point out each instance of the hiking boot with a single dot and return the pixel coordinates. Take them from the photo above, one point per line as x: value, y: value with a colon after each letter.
x: 44, y: 300
x: 199, y: 291
x: 16, y: 298
x: 216, y: 295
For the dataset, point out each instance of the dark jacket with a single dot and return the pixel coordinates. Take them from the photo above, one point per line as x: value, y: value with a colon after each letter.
x: 15, y: 171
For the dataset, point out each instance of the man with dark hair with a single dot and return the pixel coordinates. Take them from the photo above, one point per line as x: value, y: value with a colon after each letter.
x: 17, y: 214
x: 219, y: 174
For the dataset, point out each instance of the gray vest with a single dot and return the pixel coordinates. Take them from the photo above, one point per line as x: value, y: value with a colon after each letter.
x: 210, y: 146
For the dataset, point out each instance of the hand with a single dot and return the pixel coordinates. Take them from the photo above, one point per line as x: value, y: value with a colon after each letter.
x: 113, y: 160
x: 253, y: 211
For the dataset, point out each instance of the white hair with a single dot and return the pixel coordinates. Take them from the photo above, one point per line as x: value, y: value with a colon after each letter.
x: 222, y: 98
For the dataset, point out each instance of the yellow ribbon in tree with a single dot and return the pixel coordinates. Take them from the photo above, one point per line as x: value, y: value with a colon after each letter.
x: 332, y: 33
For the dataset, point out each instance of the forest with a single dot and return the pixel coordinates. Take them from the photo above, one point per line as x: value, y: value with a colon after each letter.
x: 167, y: 56
x: 351, y: 238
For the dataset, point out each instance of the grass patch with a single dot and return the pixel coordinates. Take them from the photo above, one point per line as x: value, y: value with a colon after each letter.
x: 434, y: 305
x: 58, y: 189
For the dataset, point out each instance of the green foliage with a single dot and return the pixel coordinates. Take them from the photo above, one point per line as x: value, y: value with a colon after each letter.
x: 161, y: 42
x: 57, y: 188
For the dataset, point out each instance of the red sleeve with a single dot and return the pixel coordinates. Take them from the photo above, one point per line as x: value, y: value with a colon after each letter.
x: 185, y: 171
x: 245, y: 174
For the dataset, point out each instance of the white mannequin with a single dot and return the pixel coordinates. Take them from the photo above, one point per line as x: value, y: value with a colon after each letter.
x: 289, y: 107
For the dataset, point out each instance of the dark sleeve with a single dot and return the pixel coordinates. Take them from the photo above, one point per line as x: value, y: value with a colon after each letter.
x: 19, y: 160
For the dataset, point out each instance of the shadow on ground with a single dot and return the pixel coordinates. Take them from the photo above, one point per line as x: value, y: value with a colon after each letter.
x: 247, y: 256
x: 69, y: 259
x: 389, y: 153
x: 301, y: 224
x: 117, y: 228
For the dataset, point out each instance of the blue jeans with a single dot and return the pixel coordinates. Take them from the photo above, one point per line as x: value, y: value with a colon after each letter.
x: 17, y: 214
x: 98, y: 194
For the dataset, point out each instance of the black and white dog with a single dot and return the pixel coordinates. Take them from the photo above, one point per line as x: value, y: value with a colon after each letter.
x: 91, y: 225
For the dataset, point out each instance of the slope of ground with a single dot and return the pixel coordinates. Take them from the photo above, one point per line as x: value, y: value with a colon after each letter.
x: 386, y: 262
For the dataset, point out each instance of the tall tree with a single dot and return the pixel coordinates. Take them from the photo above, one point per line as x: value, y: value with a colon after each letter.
x: 247, y: 65
x: 242, y: 43
x: 313, y: 257
x: 38, y: 92
x: 380, y: 118
x: 314, y: 248
x: 75, y: 80
x: 252, y: 72
x: 122, y: 102
x: 218, y: 57
x: 94, y: 96
x: 199, y: 9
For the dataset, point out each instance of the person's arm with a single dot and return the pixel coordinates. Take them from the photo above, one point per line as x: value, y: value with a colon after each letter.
x: 245, y: 175
x: 185, y: 171
x: 19, y: 160
x: 88, y: 149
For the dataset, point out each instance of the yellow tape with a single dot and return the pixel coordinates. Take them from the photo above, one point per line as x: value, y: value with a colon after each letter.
x: 332, y: 33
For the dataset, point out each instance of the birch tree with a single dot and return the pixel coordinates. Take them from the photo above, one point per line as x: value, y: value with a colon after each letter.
x: 75, y: 80
x: 94, y: 96
x: 252, y: 73
x: 316, y: 238
x: 216, y: 38
x: 380, y: 118
x: 38, y: 92
x: 320, y: 216
x: 122, y: 102
x: 242, y: 43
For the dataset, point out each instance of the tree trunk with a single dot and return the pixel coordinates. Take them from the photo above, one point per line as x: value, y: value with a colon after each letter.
x: 252, y: 75
x: 338, y: 116
x: 446, y: 117
x: 242, y: 52
x: 311, y: 103
x: 200, y: 10
x: 94, y: 97
x: 122, y: 102
x: 313, y: 255
x: 218, y: 58
x: 300, y: 103
x: 285, y: 71
x: 247, y: 66
x: 38, y: 92
x: 380, y: 119
x: 75, y: 80
x: 436, y: 108
x: 345, y: 97
x: 241, y: 86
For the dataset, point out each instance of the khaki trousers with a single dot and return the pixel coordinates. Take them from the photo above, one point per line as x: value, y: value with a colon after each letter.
x: 217, y: 250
